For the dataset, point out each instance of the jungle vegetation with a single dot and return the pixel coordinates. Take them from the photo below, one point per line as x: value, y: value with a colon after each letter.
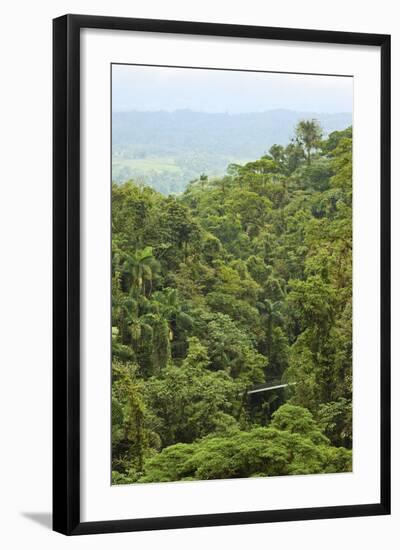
x: 167, y: 149
x: 238, y: 283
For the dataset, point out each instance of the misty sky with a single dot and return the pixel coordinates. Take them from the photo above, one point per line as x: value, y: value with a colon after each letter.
x: 163, y: 88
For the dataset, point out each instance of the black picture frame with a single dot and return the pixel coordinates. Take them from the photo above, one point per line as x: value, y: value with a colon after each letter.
x: 66, y: 273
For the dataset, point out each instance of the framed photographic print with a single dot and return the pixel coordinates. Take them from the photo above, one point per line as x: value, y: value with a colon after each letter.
x: 221, y: 274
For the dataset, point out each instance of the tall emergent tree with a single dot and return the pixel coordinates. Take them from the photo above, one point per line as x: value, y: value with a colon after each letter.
x: 309, y: 134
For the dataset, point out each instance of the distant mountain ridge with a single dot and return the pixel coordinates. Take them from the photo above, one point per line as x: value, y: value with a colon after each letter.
x: 168, y: 149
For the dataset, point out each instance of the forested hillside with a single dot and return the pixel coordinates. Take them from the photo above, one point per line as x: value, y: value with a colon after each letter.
x: 166, y: 150
x: 240, y: 283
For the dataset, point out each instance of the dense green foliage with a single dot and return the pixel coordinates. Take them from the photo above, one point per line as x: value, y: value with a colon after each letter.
x: 240, y: 281
x: 166, y: 150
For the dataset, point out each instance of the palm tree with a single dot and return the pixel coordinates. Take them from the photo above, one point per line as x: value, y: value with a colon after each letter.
x: 160, y: 340
x: 138, y: 268
x: 140, y: 328
x: 168, y: 305
x: 124, y: 310
x: 309, y: 133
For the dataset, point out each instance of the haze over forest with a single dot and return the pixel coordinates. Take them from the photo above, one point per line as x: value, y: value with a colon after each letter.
x: 167, y: 149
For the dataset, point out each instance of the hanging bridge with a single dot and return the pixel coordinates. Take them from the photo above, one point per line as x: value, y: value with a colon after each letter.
x: 268, y: 387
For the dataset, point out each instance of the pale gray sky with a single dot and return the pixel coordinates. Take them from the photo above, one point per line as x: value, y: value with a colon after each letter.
x: 144, y: 88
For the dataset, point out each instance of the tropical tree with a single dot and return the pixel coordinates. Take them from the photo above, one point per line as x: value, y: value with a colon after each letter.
x: 188, y: 400
x: 130, y: 438
x: 293, y: 445
x: 271, y: 312
x: 138, y: 269
x: 168, y: 305
x: 309, y: 134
